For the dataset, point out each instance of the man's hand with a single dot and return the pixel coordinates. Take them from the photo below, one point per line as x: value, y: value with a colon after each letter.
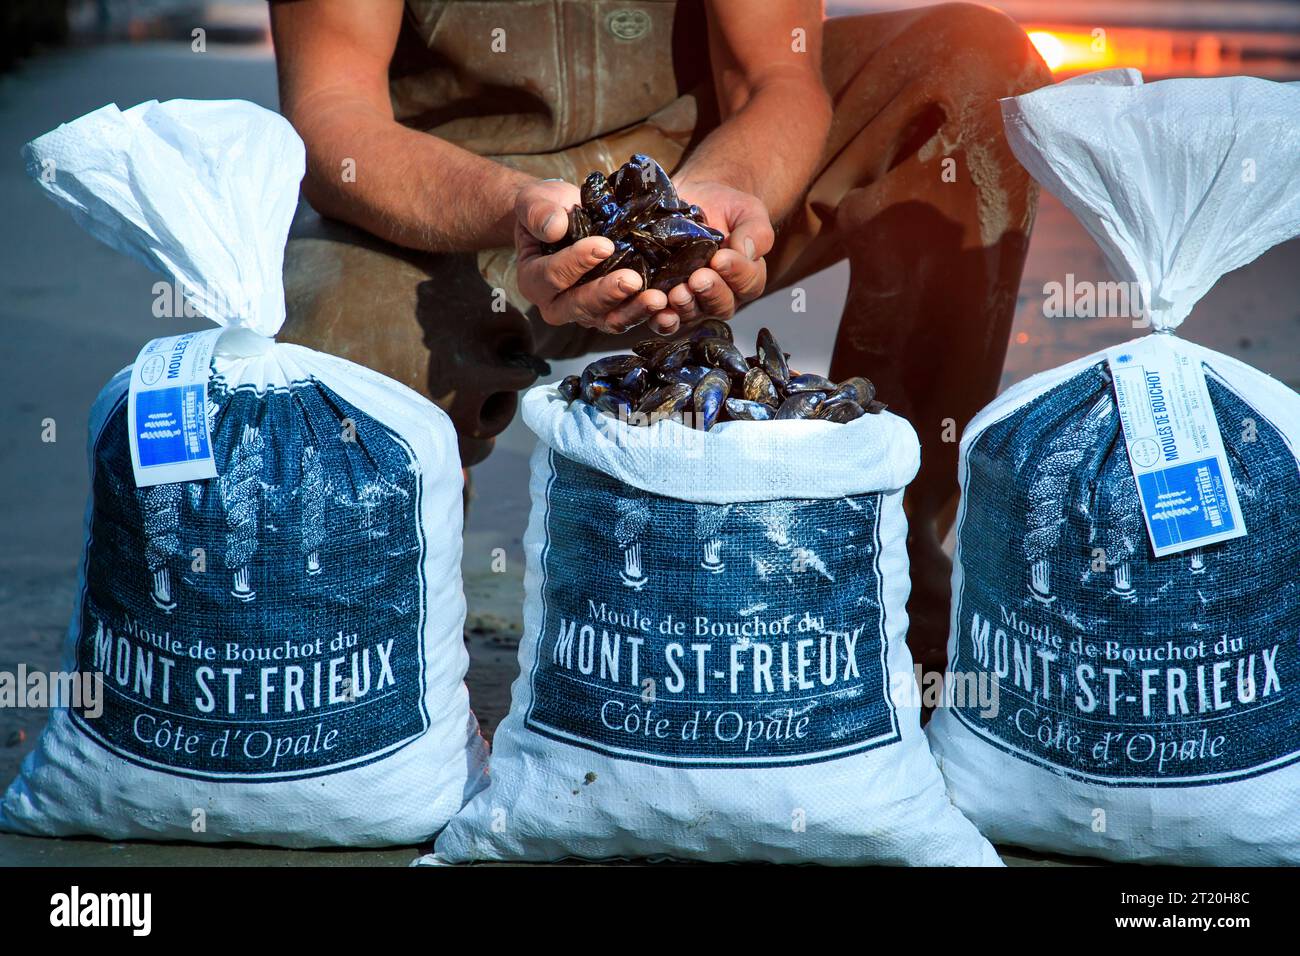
x: 737, y: 272
x: 613, y: 303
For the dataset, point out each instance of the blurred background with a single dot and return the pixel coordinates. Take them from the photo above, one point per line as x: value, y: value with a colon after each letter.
x: 74, y: 311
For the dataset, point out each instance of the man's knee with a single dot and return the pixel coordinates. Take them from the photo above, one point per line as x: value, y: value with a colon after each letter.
x: 952, y: 44
x: 981, y: 47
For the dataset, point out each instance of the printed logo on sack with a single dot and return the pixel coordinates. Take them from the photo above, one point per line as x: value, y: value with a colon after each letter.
x: 709, y: 635
x: 1114, y: 665
x: 265, y: 623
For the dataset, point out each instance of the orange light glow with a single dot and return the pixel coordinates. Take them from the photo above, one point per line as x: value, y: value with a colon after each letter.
x: 1156, y: 52
x: 1049, y: 47
x: 1066, y: 51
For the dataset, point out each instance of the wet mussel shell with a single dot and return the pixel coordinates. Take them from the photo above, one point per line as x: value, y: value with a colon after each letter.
x: 612, y: 366
x: 771, y: 359
x: 800, y: 405
x: 712, y: 329
x: 666, y: 400
x: 742, y: 410
x: 615, y: 404
x: 838, y: 410
x: 640, y: 176
x: 625, y: 257
x: 722, y: 354
x: 635, y: 383
x: 680, y: 264
x: 570, y: 387
x: 808, y: 382
x: 593, y: 388
x: 676, y: 355
x: 758, y: 387
x: 688, y: 374
x: 857, y: 388
x: 597, y: 198
x: 710, y: 395
x: 607, y: 373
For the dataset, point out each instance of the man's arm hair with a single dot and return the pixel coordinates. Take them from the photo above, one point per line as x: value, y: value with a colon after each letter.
x: 364, y: 167
x: 766, y: 61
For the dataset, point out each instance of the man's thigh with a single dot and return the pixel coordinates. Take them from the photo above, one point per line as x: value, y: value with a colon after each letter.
x: 909, y: 89
x: 427, y: 320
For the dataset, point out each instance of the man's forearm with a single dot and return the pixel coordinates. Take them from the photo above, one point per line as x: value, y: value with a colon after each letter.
x: 402, y: 185
x: 771, y: 147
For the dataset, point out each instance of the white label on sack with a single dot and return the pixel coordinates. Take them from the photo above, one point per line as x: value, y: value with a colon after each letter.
x: 167, y: 410
x: 1174, y: 445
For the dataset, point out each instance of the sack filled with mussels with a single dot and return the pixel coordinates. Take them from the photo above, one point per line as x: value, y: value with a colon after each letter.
x: 714, y: 624
x: 1128, y: 547
x: 704, y: 379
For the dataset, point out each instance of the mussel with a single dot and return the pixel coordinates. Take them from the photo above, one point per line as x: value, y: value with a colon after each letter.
x: 570, y: 387
x: 721, y: 353
x: 838, y: 410
x: 771, y: 359
x: 743, y: 410
x: 710, y: 395
x: 607, y: 374
x: 593, y: 388
x: 665, y: 400
x: 856, y: 388
x: 690, y: 374
x: 674, y: 356
x: 614, y: 366
x: 758, y: 387
x: 598, y: 203
x: 711, y: 329
x: 615, y: 404
x: 800, y: 405
x: 635, y: 382
x: 808, y: 382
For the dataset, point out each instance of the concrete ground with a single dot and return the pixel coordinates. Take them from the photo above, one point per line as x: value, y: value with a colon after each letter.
x: 74, y: 312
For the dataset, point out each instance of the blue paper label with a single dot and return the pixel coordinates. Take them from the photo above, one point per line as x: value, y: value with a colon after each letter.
x: 1174, y: 445
x: 709, y: 635
x: 1113, y: 664
x: 167, y: 409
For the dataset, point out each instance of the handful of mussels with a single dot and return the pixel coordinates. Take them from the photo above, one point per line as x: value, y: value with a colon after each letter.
x: 705, y: 379
x: 654, y: 232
